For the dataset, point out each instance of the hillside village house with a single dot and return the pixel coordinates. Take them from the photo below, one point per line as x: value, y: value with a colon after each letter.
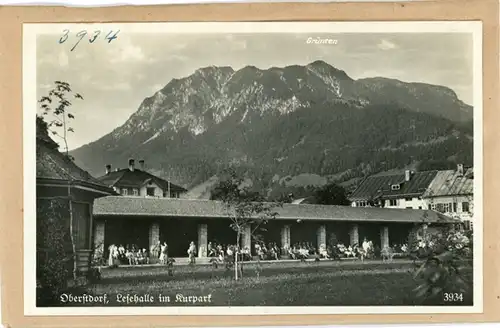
x: 146, y: 221
x: 393, y: 190
x: 54, y: 172
x: 132, y: 181
x: 451, y: 192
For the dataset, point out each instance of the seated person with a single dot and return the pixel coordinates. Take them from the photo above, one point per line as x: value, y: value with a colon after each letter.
x: 276, y: 252
x: 130, y: 257
x: 303, y: 253
x: 139, y: 257
x: 246, y: 256
x: 323, y: 252
x: 262, y: 253
x: 220, y: 251
x: 212, y: 252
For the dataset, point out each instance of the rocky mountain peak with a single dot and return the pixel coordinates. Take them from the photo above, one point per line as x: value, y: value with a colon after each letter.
x: 279, y: 118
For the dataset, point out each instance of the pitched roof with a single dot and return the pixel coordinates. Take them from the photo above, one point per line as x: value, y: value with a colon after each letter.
x: 55, y: 167
x: 379, y: 186
x: 120, y: 206
x: 451, y: 183
x: 128, y: 178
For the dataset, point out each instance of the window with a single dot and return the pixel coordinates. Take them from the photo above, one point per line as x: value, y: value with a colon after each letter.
x: 444, y: 208
x: 454, y: 207
x: 408, y: 199
x: 124, y: 191
x: 430, y: 207
x: 420, y: 207
x: 465, y: 207
x: 393, y: 202
x: 409, y: 207
x: 447, y: 207
x: 150, y: 191
x: 395, y: 187
x: 136, y: 192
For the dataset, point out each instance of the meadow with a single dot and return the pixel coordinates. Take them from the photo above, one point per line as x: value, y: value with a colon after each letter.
x: 325, y: 283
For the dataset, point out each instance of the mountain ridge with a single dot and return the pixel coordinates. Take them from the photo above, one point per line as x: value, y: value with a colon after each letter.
x: 216, y: 117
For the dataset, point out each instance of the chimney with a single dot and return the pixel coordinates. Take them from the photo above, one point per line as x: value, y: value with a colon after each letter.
x: 460, y: 169
x: 108, y: 169
x: 131, y: 164
x: 142, y: 165
x: 407, y: 175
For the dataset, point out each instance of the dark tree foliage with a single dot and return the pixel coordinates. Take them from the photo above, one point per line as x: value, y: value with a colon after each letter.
x: 331, y: 194
x: 53, y: 240
x: 436, y: 165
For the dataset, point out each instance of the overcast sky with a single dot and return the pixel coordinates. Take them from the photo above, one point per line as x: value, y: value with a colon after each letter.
x: 115, y: 77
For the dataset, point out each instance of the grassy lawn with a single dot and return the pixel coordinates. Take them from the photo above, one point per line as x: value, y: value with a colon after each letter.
x: 277, y: 284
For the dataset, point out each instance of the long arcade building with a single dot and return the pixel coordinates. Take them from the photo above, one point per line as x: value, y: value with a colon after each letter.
x: 144, y: 222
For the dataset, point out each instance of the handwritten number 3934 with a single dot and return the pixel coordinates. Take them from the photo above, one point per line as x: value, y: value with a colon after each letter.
x: 92, y: 37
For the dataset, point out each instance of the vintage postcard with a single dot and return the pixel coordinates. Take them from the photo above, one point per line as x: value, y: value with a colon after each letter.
x: 231, y: 168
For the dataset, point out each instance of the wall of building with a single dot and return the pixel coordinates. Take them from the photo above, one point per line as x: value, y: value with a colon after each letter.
x: 409, y: 202
x: 158, y: 192
x: 453, y: 206
x: 142, y: 192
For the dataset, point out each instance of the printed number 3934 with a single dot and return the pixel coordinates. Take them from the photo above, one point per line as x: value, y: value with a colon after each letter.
x: 92, y: 36
x: 453, y: 297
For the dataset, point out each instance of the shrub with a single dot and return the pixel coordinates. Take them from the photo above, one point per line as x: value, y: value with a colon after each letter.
x: 443, y: 253
x: 54, y: 259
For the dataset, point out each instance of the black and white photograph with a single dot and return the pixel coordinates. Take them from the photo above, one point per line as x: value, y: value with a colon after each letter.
x: 252, y: 168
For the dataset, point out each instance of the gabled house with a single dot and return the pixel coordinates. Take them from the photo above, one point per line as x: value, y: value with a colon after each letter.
x: 138, y: 182
x: 393, y: 190
x: 63, y: 188
x: 451, y: 193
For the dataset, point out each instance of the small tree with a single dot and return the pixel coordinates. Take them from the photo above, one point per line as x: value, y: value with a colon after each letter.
x: 246, y: 208
x: 55, y: 106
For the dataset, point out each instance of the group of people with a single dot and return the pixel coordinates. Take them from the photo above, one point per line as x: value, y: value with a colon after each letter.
x: 300, y: 251
x: 222, y: 252
x: 134, y: 255
x: 158, y: 253
x: 367, y: 250
x: 269, y: 251
x: 130, y: 254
